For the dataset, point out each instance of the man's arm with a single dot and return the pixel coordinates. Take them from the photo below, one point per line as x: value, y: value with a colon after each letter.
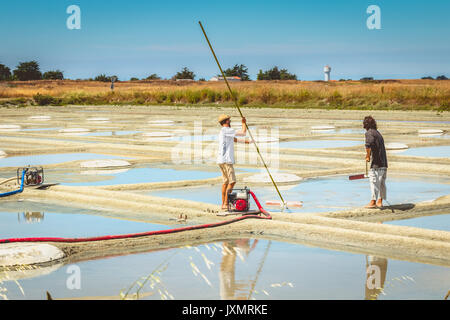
x: 244, y: 128
x: 370, y: 140
x: 368, y: 153
x: 246, y: 141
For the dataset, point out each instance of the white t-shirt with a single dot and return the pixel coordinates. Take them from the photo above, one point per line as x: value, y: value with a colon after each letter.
x: 226, y: 145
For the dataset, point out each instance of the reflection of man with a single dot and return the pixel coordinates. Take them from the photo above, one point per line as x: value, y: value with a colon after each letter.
x: 376, y: 269
x: 31, y: 217
x: 225, y: 156
x: 228, y: 284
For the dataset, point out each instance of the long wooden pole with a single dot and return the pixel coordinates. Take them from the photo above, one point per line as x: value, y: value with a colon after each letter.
x: 242, y: 116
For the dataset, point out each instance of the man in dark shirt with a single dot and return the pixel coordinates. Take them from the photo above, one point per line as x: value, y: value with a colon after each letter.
x: 376, y: 151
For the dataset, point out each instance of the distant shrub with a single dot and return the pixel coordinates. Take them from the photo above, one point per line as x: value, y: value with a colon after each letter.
x: 105, y: 78
x: 243, y: 100
x: 444, y: 107
x: 5, y: 73
x: 193, y: 96
x: 184, y: 74
x: 45, y: 100
x: 26, y: 71
x: 275, y: 74
x: 211, y: 96
x: 266, y: 96
x: 53, y: 75
x: 240, y: 71
x: 303, y: 95
x: 153, y: 76
x: 102, y: 78
x: 335, y: 98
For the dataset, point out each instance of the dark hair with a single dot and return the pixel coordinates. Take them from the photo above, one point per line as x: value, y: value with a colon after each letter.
x: 369, y: 123
x: 224, y: 121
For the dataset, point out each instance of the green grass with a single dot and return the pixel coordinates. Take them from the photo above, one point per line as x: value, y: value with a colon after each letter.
x: 425, y: 98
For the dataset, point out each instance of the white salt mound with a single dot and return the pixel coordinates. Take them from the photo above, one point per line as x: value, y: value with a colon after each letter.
x: 161, y: 122
x: 40, y: 118
x: 10, y: 127
x: 103, y: 172
x: 431, y: 131
x: 28, y: 253
x: 98, y: 119
x: 104, y: 164
x: 396, y: 146
x: 319, y: 128
x: 157, y: 134
x: 265, y: 139
x: 74, y: 130
x: 2, y: 154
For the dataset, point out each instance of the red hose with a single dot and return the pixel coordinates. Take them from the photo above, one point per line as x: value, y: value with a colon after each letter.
x: 267, y: 216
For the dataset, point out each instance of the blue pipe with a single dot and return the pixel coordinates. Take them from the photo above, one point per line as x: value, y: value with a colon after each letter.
x: 15, y: 191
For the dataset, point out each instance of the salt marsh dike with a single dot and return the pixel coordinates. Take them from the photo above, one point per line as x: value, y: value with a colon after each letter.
x: 354, y: 230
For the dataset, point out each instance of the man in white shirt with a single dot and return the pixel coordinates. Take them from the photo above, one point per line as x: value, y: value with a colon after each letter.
x: 225, y: 156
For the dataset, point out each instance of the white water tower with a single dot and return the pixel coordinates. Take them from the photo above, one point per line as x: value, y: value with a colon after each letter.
x: 327, y: 71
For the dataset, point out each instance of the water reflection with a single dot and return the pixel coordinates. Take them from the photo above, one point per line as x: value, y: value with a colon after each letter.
x: 230, y: 288
x: 30, y: 217
x: 376, y: 270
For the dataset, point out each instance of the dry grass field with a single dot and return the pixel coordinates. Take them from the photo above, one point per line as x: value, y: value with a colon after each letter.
x: 363, y: 95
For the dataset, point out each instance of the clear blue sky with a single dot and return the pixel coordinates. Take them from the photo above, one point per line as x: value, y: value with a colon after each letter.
x: 140, y: 37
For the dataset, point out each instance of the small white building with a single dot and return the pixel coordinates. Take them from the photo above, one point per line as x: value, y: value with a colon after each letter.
x: 217, y: 78
x: 327, y: 71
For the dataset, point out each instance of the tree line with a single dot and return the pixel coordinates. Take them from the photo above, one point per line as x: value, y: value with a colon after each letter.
x: 26, y: 71
x: 30, y: 70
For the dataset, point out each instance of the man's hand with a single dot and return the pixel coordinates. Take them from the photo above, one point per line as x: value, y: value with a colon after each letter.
x: 244, y: 126
x: 368, y: 153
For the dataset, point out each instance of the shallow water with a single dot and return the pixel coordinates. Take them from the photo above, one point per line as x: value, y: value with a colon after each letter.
x: 42, y: 129
x: 112, y: 133
x: 437, y: 222
x: 351, y: 131
x: 194, y: 138
x: 435, y: 136
x: 143, y: 175
x: 328, y: 194
x: 30, y: 219
x: 432, y: 152
x: 46, y: 159
x: 240, y: 269
x: 319, y: 144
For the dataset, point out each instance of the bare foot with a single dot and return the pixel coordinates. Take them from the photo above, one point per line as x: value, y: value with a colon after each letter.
x: 380, y: 203
x: 371, y: 205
